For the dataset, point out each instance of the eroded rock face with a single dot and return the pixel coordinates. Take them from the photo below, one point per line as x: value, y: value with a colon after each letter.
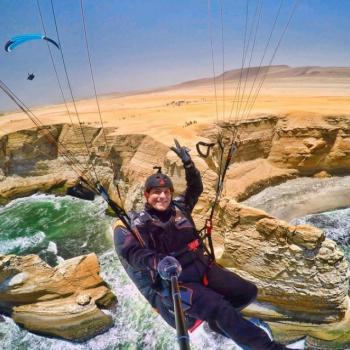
x: 63, y: 301
x: 296, y: 268
x: 272, y: 150
x: 302, y: 276
x: 322, y: 144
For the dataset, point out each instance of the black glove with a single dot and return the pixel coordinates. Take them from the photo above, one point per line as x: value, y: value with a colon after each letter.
x: 182, y: 152
x: 168, y: 267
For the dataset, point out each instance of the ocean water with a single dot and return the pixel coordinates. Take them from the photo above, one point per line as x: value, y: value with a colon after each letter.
x: 335, y: 224
x: 59, y: 228
x: 302, y: 196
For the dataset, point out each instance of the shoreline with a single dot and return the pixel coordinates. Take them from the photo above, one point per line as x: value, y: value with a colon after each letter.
x: 292, y: 199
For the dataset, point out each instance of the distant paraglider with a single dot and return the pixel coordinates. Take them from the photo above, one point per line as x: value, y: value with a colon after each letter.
x: 21, y: 39
x: 31, y: 76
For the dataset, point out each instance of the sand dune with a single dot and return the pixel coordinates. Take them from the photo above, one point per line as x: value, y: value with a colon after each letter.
x: 165, y: 113
x: 274, y: 72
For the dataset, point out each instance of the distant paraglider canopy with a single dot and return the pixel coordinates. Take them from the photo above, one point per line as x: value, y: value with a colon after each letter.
x: 21, y: 39
x: 31, y: 76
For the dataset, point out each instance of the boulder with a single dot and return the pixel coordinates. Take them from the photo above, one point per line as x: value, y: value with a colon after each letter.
x: 63, y: 301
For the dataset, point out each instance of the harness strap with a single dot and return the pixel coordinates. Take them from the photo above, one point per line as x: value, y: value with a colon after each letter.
x: 193, y: 246
x: 137, y: 234
x: 208, y: 230
x: 205, y: 280
x: 196, y: 324
x: 135, y: 231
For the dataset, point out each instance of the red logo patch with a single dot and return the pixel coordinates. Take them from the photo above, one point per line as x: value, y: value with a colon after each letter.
x: 161, y: 182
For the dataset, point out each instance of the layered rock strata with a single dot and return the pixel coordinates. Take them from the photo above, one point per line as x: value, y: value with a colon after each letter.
x: 295, y: 267
x: 64, y: 301
x: 303, y: 277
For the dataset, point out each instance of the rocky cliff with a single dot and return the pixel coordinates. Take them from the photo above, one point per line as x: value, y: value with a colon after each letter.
x: 303, y: 277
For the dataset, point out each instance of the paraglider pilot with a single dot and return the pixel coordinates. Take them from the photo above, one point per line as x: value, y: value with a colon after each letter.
x: 164, y: 230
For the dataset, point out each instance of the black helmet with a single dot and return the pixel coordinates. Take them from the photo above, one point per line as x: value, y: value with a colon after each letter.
x: 158, y: 180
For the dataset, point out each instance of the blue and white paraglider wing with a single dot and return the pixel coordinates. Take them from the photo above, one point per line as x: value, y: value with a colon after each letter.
x: 20, y: 39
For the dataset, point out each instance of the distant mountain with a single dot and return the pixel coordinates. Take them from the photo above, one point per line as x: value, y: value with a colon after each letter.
x: 273, y: 72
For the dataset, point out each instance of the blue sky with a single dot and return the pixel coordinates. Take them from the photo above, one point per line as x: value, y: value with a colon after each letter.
x: 141, y: 44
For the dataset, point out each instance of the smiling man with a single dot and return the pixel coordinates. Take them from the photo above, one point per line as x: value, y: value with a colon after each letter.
x: 163, y: 231
x: 158, y: 191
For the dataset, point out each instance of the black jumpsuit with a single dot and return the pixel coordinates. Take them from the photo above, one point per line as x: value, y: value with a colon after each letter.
x: 213, y: 294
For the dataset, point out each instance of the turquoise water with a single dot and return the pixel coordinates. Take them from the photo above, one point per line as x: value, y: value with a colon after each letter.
x: 59, y: 228
x: 53, y: 227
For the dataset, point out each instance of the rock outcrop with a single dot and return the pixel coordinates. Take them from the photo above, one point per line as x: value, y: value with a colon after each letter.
x: 63, y: 301
x: 314, y: 145
x: 296, y: 267
x: 272, y: 150
x: 303, y: 277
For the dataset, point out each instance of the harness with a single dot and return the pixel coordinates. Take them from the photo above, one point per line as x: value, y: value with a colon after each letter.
x: 179, y: 220
x: 194, y: 250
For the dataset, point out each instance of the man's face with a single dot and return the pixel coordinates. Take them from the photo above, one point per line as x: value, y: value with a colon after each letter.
x: 159, y: 198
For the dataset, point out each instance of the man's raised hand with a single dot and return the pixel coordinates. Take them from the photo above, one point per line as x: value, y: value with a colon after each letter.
x: 182, y: 152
